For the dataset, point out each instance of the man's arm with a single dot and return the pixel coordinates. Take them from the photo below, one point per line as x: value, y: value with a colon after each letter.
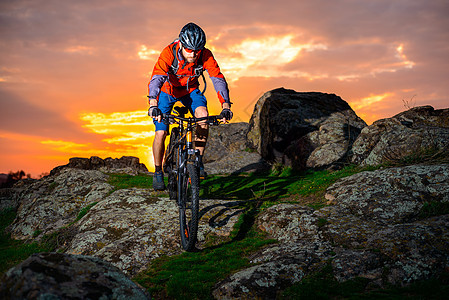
x: 160, y: 73
x: 218, y: 79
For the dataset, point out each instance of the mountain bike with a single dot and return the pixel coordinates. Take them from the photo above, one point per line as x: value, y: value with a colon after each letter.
x: 181, y: 164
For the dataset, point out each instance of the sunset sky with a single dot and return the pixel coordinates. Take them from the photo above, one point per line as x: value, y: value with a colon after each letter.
x: 74, y: 74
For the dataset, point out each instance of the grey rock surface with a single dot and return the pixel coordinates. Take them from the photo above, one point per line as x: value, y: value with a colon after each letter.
x: 65, y: 276
x: 373, y: 228
x: 126, y: 164
x: 131, y: 227
x: 55, y: 201
x: 412, y: 131
x: 227, y: 152
x: 303, y: 130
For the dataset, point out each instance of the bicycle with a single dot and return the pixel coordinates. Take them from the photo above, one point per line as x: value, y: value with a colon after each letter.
x: 182, y: 166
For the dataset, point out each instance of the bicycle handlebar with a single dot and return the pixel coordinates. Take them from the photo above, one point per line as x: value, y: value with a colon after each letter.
x: 211, y: 120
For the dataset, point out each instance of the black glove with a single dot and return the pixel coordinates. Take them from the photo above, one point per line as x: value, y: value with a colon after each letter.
x: 227, y: 114
x: 154, y: 112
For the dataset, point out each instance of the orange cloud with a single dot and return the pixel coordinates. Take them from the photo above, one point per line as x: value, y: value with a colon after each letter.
x: 147, y: 54
x: 263, y: 57
x: 125, y: 133
x: 367, y: 107
x: 404, y: 60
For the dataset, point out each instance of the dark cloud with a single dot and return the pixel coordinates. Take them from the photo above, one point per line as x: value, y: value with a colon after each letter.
x: 19, y: 116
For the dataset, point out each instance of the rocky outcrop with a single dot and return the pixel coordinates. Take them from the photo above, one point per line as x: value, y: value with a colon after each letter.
x: 374, y: 228
x: 128, y: 227
x: 303, y: 130
x: 410, y: 132
x: 53, y: 202
x: 227, y: 152
x: 64, y: 276
x: 126, y: 164
x: 131, y: 227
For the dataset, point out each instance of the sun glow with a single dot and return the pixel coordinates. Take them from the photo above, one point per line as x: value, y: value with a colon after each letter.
x: 404, y: 60
x: 132, y: 131
x: 262, y: 57
x: 147, y: 54
x: 125, y: 134
x: 370, y: 100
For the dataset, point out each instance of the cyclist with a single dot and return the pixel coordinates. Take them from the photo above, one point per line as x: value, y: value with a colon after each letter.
x: 175, y: 78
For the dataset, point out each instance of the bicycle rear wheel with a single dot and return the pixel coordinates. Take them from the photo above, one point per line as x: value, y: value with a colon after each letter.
x: 189, y: 207
x: 170, y: 163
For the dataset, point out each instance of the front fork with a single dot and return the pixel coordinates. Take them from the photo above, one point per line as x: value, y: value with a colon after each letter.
x: 193, y: 154
x: 189, y: 156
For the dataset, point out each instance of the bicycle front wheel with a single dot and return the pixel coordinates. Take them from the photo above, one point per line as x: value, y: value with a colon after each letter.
x: 189, y: 207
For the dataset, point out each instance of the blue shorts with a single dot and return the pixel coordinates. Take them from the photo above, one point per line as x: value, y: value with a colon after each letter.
x: 166, y: 102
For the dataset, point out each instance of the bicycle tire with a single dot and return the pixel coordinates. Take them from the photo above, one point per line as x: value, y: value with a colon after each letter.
x: 170, y: 165
x: 189, y: 207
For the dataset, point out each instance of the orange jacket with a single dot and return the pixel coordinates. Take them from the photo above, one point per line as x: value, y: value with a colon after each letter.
x: 185, y: 80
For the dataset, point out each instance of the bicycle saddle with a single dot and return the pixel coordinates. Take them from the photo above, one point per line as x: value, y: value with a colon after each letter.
x: 181, y: 110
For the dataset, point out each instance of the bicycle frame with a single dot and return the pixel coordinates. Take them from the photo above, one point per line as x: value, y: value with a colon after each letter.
x: 182, y: 165
x: 185, y: 143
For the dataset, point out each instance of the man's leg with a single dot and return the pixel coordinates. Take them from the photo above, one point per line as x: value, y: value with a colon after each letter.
x: 198, y: 104
x: 158, y: 156
x: 202, y: 129
x: 158, y: 148
x: 165, y: 104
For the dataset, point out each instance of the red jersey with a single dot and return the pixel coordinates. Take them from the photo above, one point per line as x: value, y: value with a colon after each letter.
x: 185, y: 80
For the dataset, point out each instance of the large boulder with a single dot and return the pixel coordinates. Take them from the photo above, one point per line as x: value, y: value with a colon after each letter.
x: 412, y: 132
x: 227, y: 151
x: 126, y: 164
x: 303, y: 130
x: 377, y: 227
x: 64, y: 276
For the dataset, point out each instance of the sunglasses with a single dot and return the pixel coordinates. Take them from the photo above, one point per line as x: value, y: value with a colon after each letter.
x: 191, y: 51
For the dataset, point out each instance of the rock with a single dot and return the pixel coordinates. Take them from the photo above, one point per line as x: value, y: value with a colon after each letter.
x: 55, y: 201
x: 303, y: 130
x: 409, y: 132
x: 126, y: 164
x: 64, y: 276
x: 131, y: 227
x: 226, y: 151
x: 10, y: 196
x: 276, y: 268
x: 261, y: 281
x: 128, y: 228
x: 394, y: 195
x: 6, y: 199
x: 373, y: 229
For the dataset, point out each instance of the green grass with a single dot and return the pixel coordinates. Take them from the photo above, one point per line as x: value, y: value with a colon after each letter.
x: 84, y: 211
x: 192, y: 275
x: 434, y: 208
x: 125, y: 181
x: 277, y: 186
x: 12, y: 251
x: 323, y: 285
x: 272, y: 186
